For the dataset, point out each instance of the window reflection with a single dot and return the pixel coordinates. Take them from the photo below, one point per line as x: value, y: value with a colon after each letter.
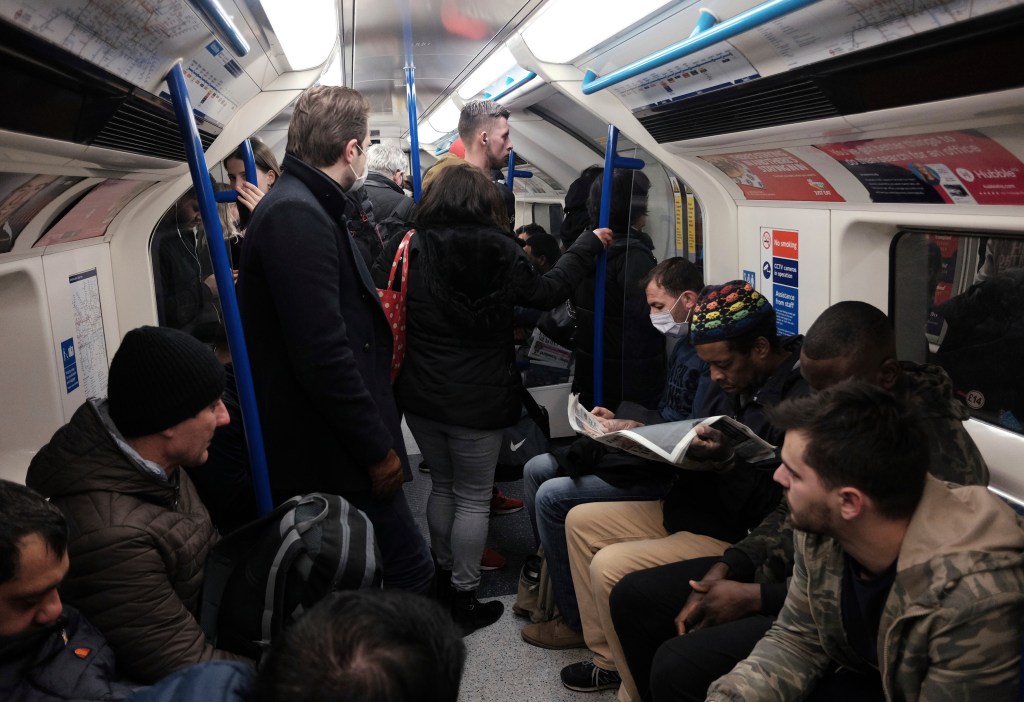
x: 961, y: 298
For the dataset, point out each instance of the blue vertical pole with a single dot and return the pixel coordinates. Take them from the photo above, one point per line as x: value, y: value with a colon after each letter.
x: 250, y: 174
x: 410, y: 100
x: 225, y: 283
x: 611, y: 162
x: 511, y: 169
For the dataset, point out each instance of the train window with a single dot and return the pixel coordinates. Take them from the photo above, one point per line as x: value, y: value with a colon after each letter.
x: 22, y: 196
x: 958, y: 301
x: 91, y: 215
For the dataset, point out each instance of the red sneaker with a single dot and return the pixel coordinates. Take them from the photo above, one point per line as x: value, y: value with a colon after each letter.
x: 491, y: 560
x: 503, y: 504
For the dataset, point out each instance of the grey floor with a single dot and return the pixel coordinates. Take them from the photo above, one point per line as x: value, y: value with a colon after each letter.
x: 499, y: 664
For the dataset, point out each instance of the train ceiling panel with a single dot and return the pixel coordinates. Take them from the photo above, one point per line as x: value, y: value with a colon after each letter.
x: 450, y: 38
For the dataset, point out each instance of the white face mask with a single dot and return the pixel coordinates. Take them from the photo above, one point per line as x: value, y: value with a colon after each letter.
x: 667, y: 325
x: 360, y: 179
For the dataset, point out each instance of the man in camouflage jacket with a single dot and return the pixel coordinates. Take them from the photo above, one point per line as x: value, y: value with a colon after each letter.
x: 904, y: 587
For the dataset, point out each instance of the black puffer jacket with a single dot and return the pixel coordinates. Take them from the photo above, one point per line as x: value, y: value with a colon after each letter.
x: 634, y: 351
x: 138, y: 546
x: 460, y: 367
x: 67, y: 660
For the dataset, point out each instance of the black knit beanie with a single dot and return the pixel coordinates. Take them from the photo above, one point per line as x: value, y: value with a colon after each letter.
x: 158, y: 378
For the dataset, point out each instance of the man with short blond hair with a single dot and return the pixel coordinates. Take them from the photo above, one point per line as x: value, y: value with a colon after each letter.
x: 319, y: 341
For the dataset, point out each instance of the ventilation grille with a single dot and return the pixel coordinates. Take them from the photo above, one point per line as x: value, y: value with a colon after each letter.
x: 941, y: 64
x: 798, y: 101
x: 137, y: 128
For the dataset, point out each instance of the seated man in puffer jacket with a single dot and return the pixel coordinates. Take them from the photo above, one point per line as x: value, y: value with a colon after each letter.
x: 139, y: 534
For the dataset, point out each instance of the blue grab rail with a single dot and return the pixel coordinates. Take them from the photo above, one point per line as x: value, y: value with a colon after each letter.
x: 410, y: 99
x: 513, y: 173
x: 611, y: 162
x: 250, y: 174
x: 513, y: 87
x: 745, y: 21
x: 225, y: 285
x: 212, y: 10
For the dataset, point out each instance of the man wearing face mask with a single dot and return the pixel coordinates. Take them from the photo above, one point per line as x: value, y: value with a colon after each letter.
x: 319, y: 341
x: 593, y: 473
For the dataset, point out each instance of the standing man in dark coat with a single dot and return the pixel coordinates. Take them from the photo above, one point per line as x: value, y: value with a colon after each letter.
x: 319, y: 341
x: 393, y: 210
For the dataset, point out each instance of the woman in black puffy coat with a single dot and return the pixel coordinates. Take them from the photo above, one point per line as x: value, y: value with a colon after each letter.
x: 459, y: 386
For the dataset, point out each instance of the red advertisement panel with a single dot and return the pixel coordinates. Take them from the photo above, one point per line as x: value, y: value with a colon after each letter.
x: 943, y: 167
x: 774, y: 174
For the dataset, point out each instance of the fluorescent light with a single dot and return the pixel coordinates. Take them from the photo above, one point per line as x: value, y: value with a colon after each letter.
x: 307, y: 36
x: 564, y: 29
x: 427, y: 134
x: 496, y: 65
x: 446, y: 117
x: 332, y: 76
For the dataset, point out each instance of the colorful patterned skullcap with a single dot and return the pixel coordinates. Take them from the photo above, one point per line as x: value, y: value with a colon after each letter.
x: 727, y: 311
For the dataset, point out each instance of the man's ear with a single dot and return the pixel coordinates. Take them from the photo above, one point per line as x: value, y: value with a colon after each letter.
x: 761, y: 349
x: 852, y: 503
x: 889, y: 373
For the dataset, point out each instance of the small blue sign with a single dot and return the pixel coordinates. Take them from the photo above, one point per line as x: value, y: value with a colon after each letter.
x: 766, y: 270
x: 214, y: 47
x: 750, y: 278
x: 786, y: 303
x: 786, y: 271
x: 67, y: 352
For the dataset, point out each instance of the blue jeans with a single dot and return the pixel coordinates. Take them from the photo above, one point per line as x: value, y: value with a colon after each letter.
x: 462, y: 462
x: 404, y: 552
x: 549, y: 499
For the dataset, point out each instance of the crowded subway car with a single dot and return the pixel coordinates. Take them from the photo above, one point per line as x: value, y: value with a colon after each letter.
x: 623, y: 215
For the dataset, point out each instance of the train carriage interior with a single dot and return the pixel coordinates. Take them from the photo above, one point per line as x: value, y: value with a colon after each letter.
x: 822, y: 150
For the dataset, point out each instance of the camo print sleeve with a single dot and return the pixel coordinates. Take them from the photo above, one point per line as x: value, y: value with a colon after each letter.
x: 787, y: 662
x: 968, y: 650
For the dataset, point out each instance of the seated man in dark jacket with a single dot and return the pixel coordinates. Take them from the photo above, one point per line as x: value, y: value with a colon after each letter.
x: 47, y: 651
x: 139, y: 534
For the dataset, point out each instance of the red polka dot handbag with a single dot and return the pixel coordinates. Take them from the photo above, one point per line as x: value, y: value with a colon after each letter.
x: 393, y: 301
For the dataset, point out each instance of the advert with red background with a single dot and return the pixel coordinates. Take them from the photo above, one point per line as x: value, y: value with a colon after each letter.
x: 962, y: 167
x: 774, y: 174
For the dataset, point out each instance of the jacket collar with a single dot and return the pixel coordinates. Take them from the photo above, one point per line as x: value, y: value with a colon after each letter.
x: 337, y: 202
x: 376, y: 180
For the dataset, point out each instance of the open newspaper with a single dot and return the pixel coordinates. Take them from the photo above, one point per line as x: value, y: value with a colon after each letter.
x: 669, y: 442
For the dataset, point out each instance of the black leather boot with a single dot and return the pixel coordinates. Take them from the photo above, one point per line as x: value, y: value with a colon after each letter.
x: 472, y: 614
x: 441, y: 587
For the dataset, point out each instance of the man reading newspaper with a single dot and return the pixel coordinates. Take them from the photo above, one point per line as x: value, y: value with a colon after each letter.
x: 732, y: 329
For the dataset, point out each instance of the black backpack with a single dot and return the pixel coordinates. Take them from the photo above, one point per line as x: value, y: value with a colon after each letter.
x: 524, y: 440
x: 261, y: 577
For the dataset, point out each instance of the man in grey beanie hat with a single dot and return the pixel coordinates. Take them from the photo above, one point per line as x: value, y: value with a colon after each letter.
x: 139, y: 534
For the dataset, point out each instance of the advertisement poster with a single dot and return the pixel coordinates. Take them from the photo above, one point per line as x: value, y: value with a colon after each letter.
x: 944, y: 167
x: 774, y: 174
x: 780, y: 269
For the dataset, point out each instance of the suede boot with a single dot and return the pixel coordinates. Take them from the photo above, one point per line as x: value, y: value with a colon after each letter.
x: 472, y: 614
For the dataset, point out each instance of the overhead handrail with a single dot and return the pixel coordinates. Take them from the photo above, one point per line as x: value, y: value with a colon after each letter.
x: 513, y: 173
x: 611, y: 162
x: 745, y: 21
x: 410, y: 100
x: 513, y: 87
x: 225, y: 285
x: 250, y: 174
x: 225, y: 28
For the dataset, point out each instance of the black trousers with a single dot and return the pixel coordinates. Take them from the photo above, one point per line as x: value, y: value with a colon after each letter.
x: 668, y: 667
x: 665, y: 666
